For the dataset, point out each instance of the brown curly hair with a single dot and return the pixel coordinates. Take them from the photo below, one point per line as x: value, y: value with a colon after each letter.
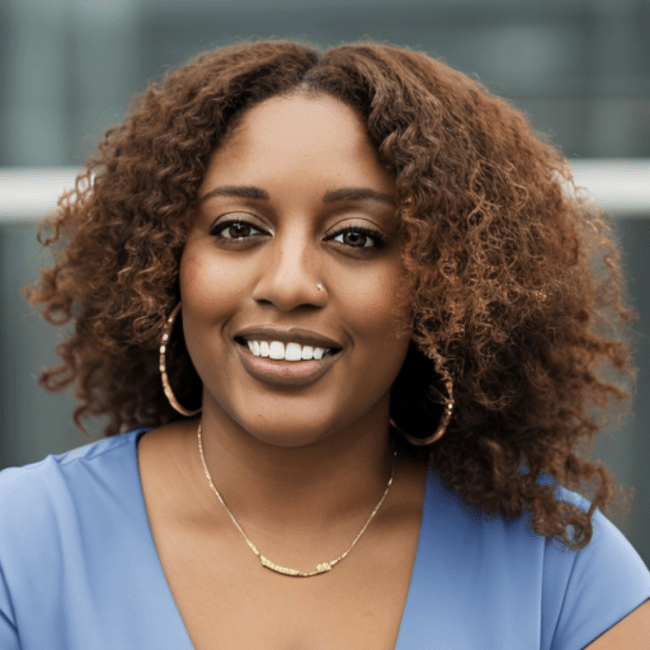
x: 518, y: 291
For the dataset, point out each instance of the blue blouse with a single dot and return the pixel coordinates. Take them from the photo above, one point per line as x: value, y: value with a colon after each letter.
x: 79, y: 569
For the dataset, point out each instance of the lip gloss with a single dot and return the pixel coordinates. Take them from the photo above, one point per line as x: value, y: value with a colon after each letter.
x: 285, y: 374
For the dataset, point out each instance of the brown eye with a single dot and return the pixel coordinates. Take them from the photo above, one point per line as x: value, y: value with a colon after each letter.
x: 359, y: 238
x: 355, y: 239
x: 236, y: 230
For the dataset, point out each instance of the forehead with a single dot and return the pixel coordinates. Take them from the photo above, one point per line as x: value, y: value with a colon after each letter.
x: 299, y: 134
x: 317, y: 115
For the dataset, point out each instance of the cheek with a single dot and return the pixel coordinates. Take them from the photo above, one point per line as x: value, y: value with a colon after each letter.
x: 378, y: 307
x: 205, y: 284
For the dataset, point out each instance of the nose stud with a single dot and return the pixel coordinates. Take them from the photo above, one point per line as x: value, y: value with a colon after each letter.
x: 319, y: 286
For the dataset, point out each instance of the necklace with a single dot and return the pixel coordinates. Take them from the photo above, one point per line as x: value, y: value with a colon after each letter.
x: 323, y: 567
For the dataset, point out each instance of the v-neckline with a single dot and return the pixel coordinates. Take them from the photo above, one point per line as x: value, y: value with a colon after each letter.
x: 173, y: 611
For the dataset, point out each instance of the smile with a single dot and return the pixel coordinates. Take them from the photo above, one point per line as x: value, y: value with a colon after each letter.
x: 290, y: 351
x: 287, y: 364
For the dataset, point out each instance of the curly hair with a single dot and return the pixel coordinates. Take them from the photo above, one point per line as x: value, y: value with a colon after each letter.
x: 519, y: 297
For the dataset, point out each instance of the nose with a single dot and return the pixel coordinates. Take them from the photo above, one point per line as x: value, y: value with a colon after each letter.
x: 288, y: 276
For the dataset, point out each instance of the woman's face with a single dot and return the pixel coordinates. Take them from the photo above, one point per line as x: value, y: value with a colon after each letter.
x: 293, y: 201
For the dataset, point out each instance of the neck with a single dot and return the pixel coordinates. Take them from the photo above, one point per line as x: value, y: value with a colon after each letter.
x: 323, y: 485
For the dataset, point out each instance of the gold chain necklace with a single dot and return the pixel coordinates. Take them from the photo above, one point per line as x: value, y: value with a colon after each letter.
x: 323, y: 567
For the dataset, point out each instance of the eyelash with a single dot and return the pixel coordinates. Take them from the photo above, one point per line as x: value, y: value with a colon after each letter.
x: 377, y: 238
x: 379, y: 241
x: 220, y: 228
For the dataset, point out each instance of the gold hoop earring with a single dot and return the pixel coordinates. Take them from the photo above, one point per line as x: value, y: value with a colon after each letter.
x: 169, y: 394
x: 445, y: 418
x: 439, y: 432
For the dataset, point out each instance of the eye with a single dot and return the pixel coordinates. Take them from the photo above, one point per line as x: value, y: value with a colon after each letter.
x: 355, y: 237
x: 236, y: 230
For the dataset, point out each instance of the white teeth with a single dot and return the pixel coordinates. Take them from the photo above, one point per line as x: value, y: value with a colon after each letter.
x: 293, y: 352
x: 276, y: 350
x: 285, y: 352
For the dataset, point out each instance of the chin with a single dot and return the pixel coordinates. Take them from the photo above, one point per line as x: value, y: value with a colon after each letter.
x: 290, y: 436
x: 289, y: 431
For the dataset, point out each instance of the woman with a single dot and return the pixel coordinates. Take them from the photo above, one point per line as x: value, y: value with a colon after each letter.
x: 348, y: 312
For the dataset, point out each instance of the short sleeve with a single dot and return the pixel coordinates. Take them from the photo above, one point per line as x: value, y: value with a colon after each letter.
x: 607, y: 581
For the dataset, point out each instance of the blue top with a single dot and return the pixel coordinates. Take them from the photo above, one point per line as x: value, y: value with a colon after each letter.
x: 79, y: 569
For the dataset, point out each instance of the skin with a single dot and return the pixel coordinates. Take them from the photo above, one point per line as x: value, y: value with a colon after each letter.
x: 257, y: 262
x: 632, y: 633
x: 295, y: 150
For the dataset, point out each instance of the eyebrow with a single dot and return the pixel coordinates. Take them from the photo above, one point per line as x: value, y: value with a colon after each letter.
x: 257, y: 194
x: 356, y: 194
x: 239, y: 192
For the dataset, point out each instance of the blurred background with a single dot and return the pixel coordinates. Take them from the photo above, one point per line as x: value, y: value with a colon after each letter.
x: 580, y: 69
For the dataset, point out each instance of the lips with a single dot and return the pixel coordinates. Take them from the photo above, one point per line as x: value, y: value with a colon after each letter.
x: 286, y: 357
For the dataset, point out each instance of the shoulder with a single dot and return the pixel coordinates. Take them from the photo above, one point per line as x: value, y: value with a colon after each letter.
x: 606, y: 573
x: 57, y: 513
x: 45, y: 482
x: 50, y: 499
x: 599, y: 585
x: 570, y: 597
